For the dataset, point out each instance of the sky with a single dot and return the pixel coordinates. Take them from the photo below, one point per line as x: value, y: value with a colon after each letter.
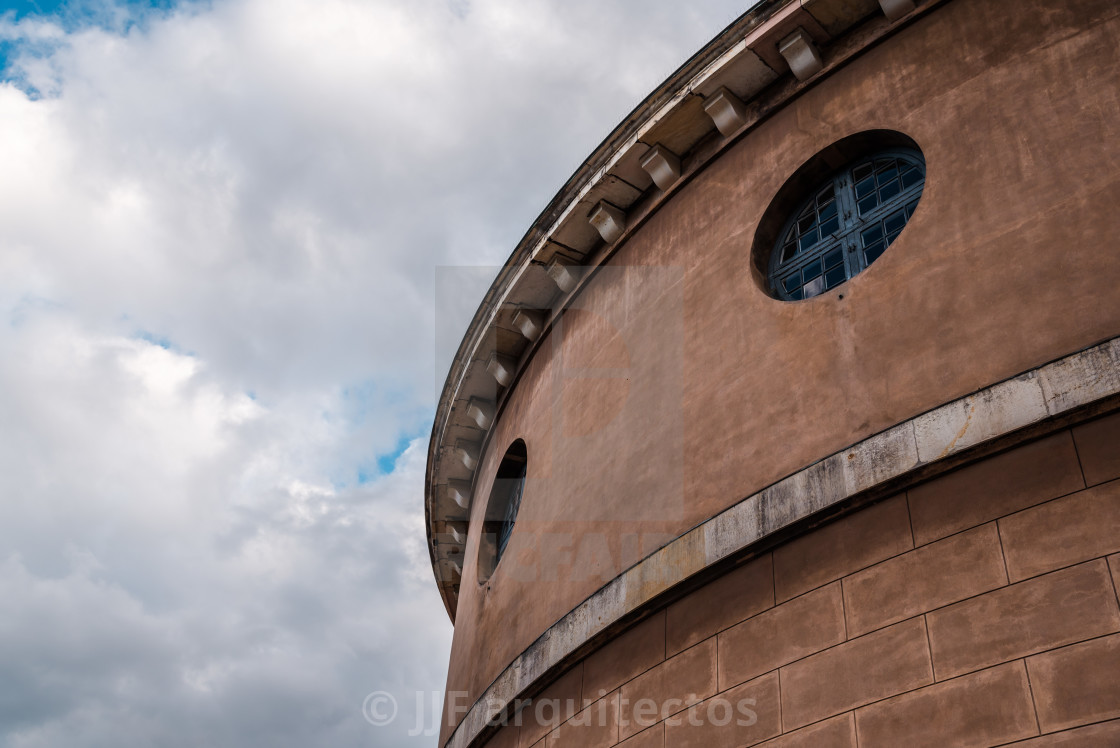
x: 222, y: 337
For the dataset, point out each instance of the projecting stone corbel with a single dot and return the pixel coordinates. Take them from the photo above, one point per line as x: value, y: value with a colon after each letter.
x: 802, y: 55
x: 609, y: 220
x: 529, y: 322
x: 456, y: 565
x: 663, y: 166
x: 726, y: 110
x: 457, y: 531
x: 459, y: 491
x: 502, y: 368
x: 896, y: 9
x: 481, y: 412
x: 468, y: 453
x: 563, y: 273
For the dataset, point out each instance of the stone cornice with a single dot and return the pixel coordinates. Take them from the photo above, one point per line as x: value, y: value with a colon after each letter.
x: 759, y: 63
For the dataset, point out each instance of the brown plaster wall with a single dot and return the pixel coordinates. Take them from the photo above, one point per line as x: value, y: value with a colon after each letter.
x: 676, y: 386
x: 996, y: 633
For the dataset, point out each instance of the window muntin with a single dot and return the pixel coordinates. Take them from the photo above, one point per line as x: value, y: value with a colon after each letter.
x: 846, y: 224
x: 502, y: 508
x: 514, y: 490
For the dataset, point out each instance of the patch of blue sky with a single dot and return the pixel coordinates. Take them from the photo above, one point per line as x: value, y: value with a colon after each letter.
x: 161, y: 340
x: 29, y: 306
x: 370, y: 399
x: 75, y: 14
x: 119, y: 16
x: 384, y: 463
x: 362, y: 405
x: 388, y: 461
x: 22, y: 8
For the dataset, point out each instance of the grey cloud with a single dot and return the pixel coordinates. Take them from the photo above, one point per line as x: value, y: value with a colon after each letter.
x: 232, y: 242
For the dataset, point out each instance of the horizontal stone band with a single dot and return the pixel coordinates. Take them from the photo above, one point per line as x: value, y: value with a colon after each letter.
x: 915, y: 448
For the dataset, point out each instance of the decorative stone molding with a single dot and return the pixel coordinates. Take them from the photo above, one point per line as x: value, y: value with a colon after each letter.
x: 896, y: 9
x: 918, y: 448
x: 529, y: 322
x: 468, y: 454
x: 663, y: 166
x: 705, y: 95
x: 459, y: 491
x: 563, y: 273
x: 802, y: 55
x: 450, y: 510
x: 609, y: 220
x: 502, y: 368
x: 481, y: 412
x: 727, y: 112
x: 457, y: 531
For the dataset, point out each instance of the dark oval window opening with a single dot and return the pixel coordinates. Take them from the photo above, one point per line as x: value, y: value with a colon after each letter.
x: 837, y: 221
x: 501, y: 509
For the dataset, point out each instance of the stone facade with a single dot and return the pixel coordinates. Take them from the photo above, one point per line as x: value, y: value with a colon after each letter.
x: 888, y: 512
x: 979, y: 608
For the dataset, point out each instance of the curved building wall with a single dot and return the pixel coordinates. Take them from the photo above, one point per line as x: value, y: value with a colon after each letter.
x: 977, y: 609
x: 674, y: 386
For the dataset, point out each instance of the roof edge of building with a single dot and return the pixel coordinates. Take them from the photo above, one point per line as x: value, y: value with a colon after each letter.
x: 759, y: 63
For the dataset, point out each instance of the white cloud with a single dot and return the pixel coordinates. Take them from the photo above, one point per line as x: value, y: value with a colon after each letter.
x: 220, y: 232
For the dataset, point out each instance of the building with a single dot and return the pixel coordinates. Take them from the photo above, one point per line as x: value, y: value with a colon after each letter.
x: 795, y: 417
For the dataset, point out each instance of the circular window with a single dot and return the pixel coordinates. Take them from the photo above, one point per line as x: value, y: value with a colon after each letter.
x: 501, y: 509
x: 839, y: 221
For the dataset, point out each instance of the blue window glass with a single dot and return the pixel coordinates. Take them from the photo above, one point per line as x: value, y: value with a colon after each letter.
x: 516, y: 489
x: 846, y: 223
x: 502, y: 508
